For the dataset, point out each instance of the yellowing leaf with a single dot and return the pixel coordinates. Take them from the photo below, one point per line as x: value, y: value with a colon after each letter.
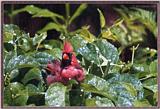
x: 102, y: 18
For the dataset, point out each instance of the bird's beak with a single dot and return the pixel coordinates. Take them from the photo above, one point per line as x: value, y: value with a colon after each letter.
x: 65, y: 57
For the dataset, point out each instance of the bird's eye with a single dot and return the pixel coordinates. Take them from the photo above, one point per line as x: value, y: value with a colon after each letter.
x: 65, y: 57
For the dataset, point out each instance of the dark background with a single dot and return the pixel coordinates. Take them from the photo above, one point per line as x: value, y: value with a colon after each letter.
x: 89, y: 16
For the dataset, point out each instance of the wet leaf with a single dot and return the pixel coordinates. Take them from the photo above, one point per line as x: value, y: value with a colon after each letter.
x: 89, y: 52
x: 55, y: 95
x: 99, y: 51
x: 78, y: 42
x: 42, y: 58
x: 20, y: 61
x: 108, y: 50
x: 126, y: 87
x: 97, y: 85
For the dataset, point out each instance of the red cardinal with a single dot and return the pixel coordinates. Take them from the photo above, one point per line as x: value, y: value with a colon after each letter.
x: 67, y: 69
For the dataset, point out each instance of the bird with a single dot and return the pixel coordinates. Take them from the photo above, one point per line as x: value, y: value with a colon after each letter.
x: 66, y: 69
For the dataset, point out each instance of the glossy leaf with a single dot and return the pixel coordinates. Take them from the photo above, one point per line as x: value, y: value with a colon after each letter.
x: 39, y: 38
x: 56, y: 52
x: 108, y: 50
x: 93, y: 51
x: 7, y: 59
x: 127, y: 88
x: 14, y: 73
x: 34, y: 73
x: 89, y: 52
x: 78, y: 42
x: 55, y: 95
x: 15, y: 94
x: 10, y: 31
x: 20, y: 61
x: 98, y: 85
x: 151, y: 84
x: 42, y: 58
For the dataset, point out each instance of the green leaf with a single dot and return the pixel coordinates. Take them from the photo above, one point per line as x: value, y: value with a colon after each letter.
x: 42, y: 58
x: 39, y: 38
x: 130, y: 88
x: 10, y: 31
x: 97, y: 85
x: 89, y: 52
x: 15, y: 94
x: 86, y: 34
x: 52, y: 26
x: 151, y: 84
x: 33, y: 90
x: 108, y: 50
x: 102, y: 18
x: 55, y: 95
x: 154, y: 67
x: 25, y: 42
x: 38, y: 12
x: 99, y: 102
x: 30, y: 9
x: 80, y: 9
x: 90, y: 102
x: 99, y: 47
x: 127, y: 78
x: 140, y: 70
x: 34, y: 73
x: 14, y: 73
x: 108, y: 35
x: 146, y: 17
x: 51, y: 44
x: 126, y: 87
x: 20, y: 61
x: 78, y: 42
x: 7, y: 59
x: 56, y: 52
x: 141, y: 103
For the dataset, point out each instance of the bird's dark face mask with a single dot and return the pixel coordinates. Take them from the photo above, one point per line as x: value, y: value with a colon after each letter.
x: 66, y: 59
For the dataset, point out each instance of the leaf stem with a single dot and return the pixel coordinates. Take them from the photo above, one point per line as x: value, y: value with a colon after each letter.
x: 133, y: 53
x: 67, y: 8
x: 100, y: 67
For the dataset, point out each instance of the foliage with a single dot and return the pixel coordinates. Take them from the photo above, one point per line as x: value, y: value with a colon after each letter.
x: 109, y: 81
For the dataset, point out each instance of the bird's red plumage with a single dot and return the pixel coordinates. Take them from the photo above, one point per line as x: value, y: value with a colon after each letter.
x: 65, y: 73
x: 67, y: 47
